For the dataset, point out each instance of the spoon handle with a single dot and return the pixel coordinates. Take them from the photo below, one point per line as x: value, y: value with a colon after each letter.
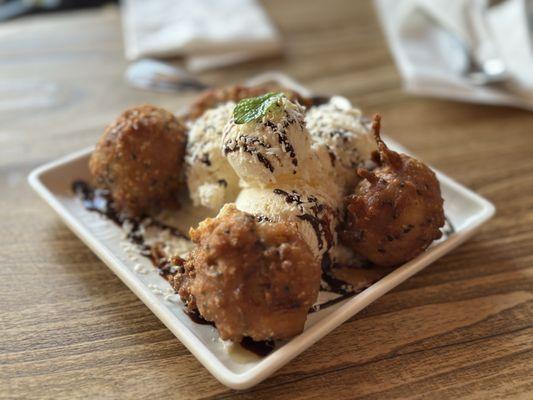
x: 483, y: 49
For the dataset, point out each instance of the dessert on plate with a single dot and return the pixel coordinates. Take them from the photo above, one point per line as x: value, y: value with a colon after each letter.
x: 294, y: 197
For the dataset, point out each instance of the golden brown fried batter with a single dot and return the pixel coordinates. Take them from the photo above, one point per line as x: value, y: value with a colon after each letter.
x: 215, y: 97
x: 139, y: 158
x: 396, y: 210
x: 255, y: 279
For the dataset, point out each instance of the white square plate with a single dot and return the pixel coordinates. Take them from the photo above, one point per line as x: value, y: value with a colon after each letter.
x: 465, y: 210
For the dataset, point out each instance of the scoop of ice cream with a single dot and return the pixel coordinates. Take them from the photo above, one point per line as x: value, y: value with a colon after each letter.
x: 271, y: 149
x: 313, y: 213
x: 340, y: 139
x: 211, y: 180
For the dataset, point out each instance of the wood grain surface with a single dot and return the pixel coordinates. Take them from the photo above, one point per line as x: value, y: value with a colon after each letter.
x: 69, y: 329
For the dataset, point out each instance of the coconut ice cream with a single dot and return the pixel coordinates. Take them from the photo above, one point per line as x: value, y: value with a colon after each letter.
x: 211, y: 180
x: 340, y: 139
x: 270, y: 149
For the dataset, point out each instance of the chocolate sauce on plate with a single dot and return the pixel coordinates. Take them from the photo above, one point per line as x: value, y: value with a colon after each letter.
x: 262, y: 348
x: 197, y: 318
x: 100, y: 201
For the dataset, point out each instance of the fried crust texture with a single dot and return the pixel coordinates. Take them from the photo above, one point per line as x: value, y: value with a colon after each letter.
x: 139, y: 159
x: 251, y: 278
x: 396, y: 210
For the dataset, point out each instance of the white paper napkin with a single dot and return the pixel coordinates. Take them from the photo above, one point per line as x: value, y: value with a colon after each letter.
x: 207, y: 33
x: 430, y: 59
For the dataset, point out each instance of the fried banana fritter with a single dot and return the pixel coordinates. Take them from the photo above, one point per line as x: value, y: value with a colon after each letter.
x: 139, y: 158
x: 396, y: 211
x: 251, y: 278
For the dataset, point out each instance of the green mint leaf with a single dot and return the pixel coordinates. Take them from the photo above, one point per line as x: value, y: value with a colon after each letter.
x: 253, y: 108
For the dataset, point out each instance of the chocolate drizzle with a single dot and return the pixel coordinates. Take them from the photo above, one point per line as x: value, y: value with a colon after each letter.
x: 195, y: 317
x: 262, y: 348
x: 290, y: 198
x: 332, y: 302
x: 100, y: 201
x: 263, y: 160
x: 317, y: 218
x: 262, y: 218
x: 333, y: 285
x: 250, y: 145
x: 315, y: 223
x: 448, y: 229
x: 205, y: 159
x: 169, y: 267
x: 97, y: 200
x: 283, y: 139
x: 246, y: 143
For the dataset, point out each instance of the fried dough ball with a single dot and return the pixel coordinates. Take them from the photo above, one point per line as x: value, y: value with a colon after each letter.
x: 139, y: 159
x: 396, y: 210
x: 251, y: 278
x: 215, y: 97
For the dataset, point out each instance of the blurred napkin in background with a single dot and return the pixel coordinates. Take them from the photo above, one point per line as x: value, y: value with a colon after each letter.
x: 429, y: 41
x: 207, y: 33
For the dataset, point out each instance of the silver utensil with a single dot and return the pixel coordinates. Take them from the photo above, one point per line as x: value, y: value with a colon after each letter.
x: 485, y: 66
x: 529, y: 16
x: 161, y: 76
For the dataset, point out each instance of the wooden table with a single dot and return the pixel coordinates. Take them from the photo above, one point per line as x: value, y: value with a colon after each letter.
x: 463, y: 328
